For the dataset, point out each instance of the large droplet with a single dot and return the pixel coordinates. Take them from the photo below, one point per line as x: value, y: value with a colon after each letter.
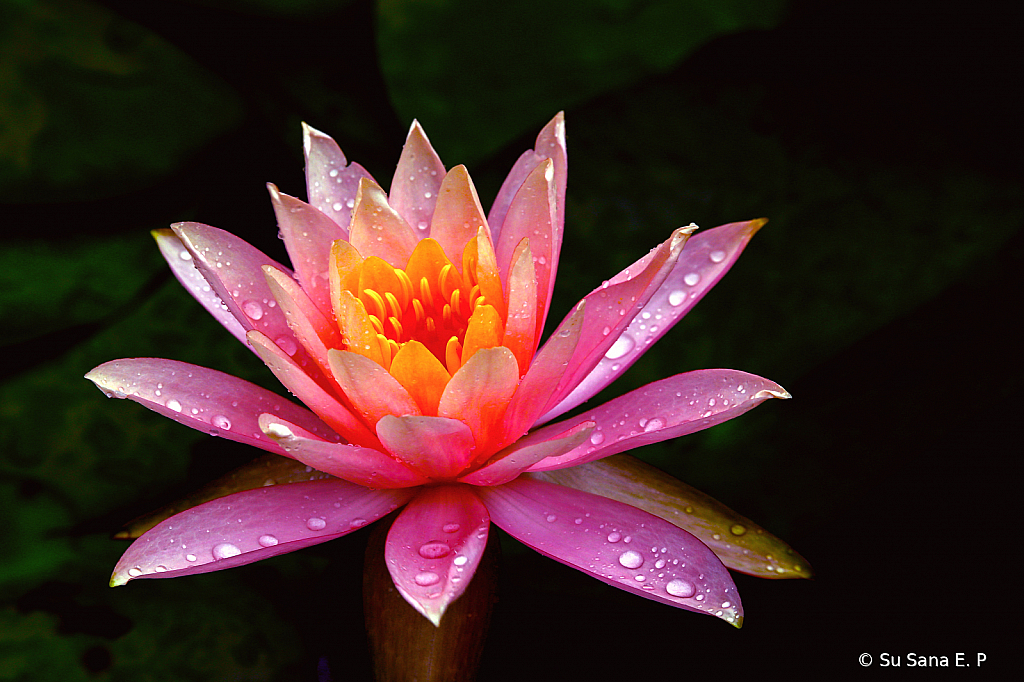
x: 316, y: 523
x: 426, y: 578
x: 225, y: 550
x: 267, y: 541
x: 738, y: 529
x: 622, y: 345
x: 631, y: 559
x: 451, y: 528
x: 680, y: 588
x: 434, y: 550
x: 677, y: 297
x: 253, y: 310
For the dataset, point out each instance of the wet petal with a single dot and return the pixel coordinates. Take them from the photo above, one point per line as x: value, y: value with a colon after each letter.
x: 525, y: 452
x: 307, y: 235
x: 253, y: 525
x: 610, y: 308
x: 184, y: 269
x: 479, y: 392
x: 331, y: 182
x: 438, y: 446
x: 266, y: 470
x: 327, y: 406
x: 204, y: 399
x: 532, y: 216
x: 618, y: 544
x: 434, y: 547
x: 458, y: 214
x: 364, y: 466
x: 377, y: 229
x: 417, y: 180
x: 706, y: 257
x: 371, y: 389
x: 665, y: 409
x: 310, y: 327
x: 740, y: 543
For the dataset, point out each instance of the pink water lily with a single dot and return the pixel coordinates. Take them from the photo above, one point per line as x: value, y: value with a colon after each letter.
x: 410, y: 328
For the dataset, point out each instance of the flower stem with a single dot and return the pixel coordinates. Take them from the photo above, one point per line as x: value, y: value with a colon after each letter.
x: 404, y: 644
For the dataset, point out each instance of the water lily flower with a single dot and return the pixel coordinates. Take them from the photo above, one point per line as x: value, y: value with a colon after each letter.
x: 410, y: 326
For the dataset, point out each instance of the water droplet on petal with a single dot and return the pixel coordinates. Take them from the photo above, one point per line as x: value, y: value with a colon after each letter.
x: 717, y: 256
x: 597, y: 438
x: 287, y: 344
x: 614, y: 537
x: 174, y: 405
x: 461, y: 560
x: 316, y: 523
x: 191, y: 557
x: 451, y: 528
x: 654, y: 425
x: 631, y: 559
x: 680, y: 588
x: 221, y: 422
x: 622, y: 345
x: 434, y: 550
x: 677, y: 297
x: 691, y: 279
x: 253, y: 310
x: 134, y: 572
x: 426, y: 578
x: 357, y: 523
x: 551, y: 518
x: 738, y: 529
x: 267, y: 541
x: 225, y: 550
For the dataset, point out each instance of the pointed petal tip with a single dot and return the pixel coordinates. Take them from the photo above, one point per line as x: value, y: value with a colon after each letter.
x: 781, y: 393
x: 118, y: 579
x: 756, y: 225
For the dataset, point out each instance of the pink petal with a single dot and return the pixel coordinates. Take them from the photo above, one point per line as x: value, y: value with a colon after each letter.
x: 417, y: 180
x: 253, y: 525
x: 377, y: 229
x: 621, y: 545
x: 706, y: 257
x: 307, y: 235
x: 437, y: 446
x: 458, y: 214
x: 362, y: 466
x: 331, y: 182
x: 183, y: 267
x: 610, y: 308
x: 664, y: 409
x: 532, y: 216
x: 550, y: 145
x: 434, y: 547
x: 479, y: 392
x: 315, y: 396
x: 544, y: 376
x: 521, y: 297
x: 315, y: 332
x: 526, y: 452
x: 371, y: 388
x: 740, y: 543
x: 204, y: 399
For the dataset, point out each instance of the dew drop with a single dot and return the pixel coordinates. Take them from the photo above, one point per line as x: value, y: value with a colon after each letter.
x: 654, y: 425
x: 614, y: 537
x: 677, y: 297
x: 174, y: 405
x: 691, y: 279
x: 680, y: 588
x: 451, y: 528
x: 316, y: 523
x: 631, y: 559
x: 622, y: 345
x: 252, y: 309
x: 434, y: 550
x: 426, y: 578
x: 738, y: 529
x: 190, y: 557
x: 551, y: 518
x: 287, y: 344
x: 461, y: 560
x: 597, y: 438
x: 267, y: 541
x: 221, y: 422
x: 337, y: 206
x: 357, y: 523
x: 225, y: 550
x: 717, y: 256
x: 134, y: 572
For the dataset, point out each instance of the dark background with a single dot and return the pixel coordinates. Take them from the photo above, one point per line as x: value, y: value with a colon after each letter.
x: 882, y: 140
